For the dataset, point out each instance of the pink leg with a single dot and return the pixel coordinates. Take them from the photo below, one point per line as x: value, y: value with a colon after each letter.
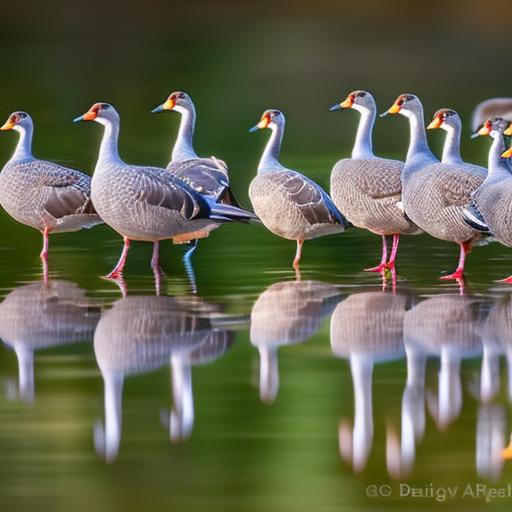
x: 382, y: 266
x: 46, y: 244
x: 44, y: 254
x: 394, y: 250
x: 459, y: 272
x: 298, y: 254
x: 118, y: 269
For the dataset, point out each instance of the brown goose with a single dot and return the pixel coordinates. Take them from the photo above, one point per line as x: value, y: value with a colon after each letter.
x: 366, y: 188
x: 147, y: 203
x: 435, y: 194
x: 41, y: 194
x: 289, y: 204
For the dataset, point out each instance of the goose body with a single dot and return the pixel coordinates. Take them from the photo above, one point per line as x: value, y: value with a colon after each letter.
x: 434, y: 194
x: 147, y: 203
x: 41, y: 194
x: 493, y: 197
x: 208, y: 176
x: 368, y: 189
x: 289, y: 204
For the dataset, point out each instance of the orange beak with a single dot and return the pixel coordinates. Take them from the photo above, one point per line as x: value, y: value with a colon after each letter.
x: 90, y: 116
x: 8, y: 125
x: 508, y: 131
x: 264, y: 122
x: 349, y: 101
x: 437, y: 122
x: 486, y: 129
x: 169, y: 104
x: 395, y: 108
x: 508, y: 154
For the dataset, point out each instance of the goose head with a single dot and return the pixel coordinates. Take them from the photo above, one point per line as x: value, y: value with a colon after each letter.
x: 362, y: 101
x: 406, y: 104
x: 178, y: 100
x: 271, y: 118
x: 102, y: 113
x: 446, y: 119
x: 19, y: 121
x: 494, y: 127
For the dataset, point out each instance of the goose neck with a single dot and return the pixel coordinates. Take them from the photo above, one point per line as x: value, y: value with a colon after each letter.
x: 270, y: 158
x: 183, y: 147
x: 451, y: 148
x: 23, y: 149
x: 363, y: 147
x: 109, y: 152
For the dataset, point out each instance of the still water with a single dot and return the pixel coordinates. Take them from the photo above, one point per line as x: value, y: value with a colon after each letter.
x: 249, y: 390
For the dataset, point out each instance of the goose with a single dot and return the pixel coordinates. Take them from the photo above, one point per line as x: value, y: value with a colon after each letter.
x: 492, y: 199
x: 38, y: 316
x: 147, y: 203
x: 434, y: 194
x: 208, y: 176
x: 289, y: 204
x: 368, y: 189
x: 41, y: 194
x: 205, y: 175
x: 366, y: 328
x: 286, y: 313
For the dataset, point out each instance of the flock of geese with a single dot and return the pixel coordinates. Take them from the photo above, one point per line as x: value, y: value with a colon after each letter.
x: 449, y: 199
x: 140, y: 334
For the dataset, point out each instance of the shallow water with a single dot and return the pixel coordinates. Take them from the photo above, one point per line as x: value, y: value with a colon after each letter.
x: 258, y: 392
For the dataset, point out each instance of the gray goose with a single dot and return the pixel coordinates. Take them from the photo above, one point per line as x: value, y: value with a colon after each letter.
x: 289, y: 204
x: 368, y: 189
x: 287, y: 313
x: 41, y: 194
x: 205, y: 175
x: 491, y: 211
x: 434, y: 194
x: 38, y: 316
x: 147, y: 203
x: 208, y: 176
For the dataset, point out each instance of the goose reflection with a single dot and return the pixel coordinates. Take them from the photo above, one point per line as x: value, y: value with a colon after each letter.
x: 287, y: 313
x: 43, y: 315
x: 365, y: 328
x: 141, y: 334
x: 447, y: 326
